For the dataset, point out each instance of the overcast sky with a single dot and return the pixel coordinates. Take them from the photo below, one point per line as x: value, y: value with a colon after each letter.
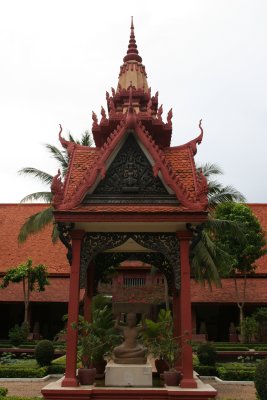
x: 207, y: 59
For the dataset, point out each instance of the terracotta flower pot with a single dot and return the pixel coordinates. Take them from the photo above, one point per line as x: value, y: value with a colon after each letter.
x: 86, y: 376
x: 172, y: 378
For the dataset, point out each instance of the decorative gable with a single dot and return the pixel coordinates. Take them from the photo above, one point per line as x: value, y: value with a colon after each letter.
x: 130, y: 179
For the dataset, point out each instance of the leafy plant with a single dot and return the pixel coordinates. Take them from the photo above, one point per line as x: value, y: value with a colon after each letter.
x: 249, y: 327
x: 18, y: 334
x: 44, y: 352
x: 3, y: 391
x: 206, y: 354
x: 7, y: 358
x: 32, y: 278
x: 261, y: 380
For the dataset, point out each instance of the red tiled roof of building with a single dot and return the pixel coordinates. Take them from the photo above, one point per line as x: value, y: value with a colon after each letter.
x: 39, y: 247
x: 255, y: 292
x: 260, y: 210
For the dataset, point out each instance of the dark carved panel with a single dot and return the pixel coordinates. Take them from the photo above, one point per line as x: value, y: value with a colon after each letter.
x: 130, y: 173
x: 164, y: 243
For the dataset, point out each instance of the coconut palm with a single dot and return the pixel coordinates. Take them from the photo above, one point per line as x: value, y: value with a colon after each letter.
x: 36, y: 222
x: 208, y: 260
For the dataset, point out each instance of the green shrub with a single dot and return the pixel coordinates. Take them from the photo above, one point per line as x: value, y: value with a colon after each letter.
x: 20, y: 398
x: 22, y: 372
x: 18, y: 334
x: 206, y: 370
x: 231, y: 348
x: 236, y: 374
x: 206, y: 354
x: 261, y: 380
x: 3, y: 391
x: 44, y: 352
x: 56, y: 369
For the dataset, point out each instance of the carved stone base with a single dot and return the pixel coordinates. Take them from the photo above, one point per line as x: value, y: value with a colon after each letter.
x: 136, y: 360
x: 129, y: 375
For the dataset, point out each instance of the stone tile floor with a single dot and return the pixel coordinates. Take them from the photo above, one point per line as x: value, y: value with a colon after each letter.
x: 237, y: 392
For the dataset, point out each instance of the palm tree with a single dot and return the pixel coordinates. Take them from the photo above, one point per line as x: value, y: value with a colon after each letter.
x: 208, y: 260
x: 36, y: 222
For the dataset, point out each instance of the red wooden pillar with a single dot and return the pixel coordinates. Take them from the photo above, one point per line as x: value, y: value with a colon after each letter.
x: 89, y: 292
x: 177, y: 322
x: 73, y: 310
x: 188, y: 380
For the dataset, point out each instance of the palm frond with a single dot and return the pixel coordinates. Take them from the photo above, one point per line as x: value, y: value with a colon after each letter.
x: 217, y: 226
x: 71, y: 139
x: 60, y: 156
x: 46, y: 196
x: 224, y: 194
x: 55, y: 234
x: 35, y: 223
x: 210, y: 169
x: 44, y: 177
x: 86, y: 139
x: 203, y: 266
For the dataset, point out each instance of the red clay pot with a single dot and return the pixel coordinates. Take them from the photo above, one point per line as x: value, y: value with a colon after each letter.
x: 86, y: 376
x: 172, y: 378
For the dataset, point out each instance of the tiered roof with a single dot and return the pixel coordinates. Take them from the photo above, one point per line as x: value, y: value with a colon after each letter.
x: 131, y: 108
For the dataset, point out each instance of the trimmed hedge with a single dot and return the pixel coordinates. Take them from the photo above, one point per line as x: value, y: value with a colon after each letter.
x: 232, y: 348
x: 22, y: 372
x: 206, y: 370
x: 19, y: 398
x: 56, y: 369
x: 235, y: 374
x: 3, y: 391
x: 261, y: 380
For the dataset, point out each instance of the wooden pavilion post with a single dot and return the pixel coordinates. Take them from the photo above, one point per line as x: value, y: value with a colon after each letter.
x: 89, y: 292
x: 188, y: 380
x: 73, y: 310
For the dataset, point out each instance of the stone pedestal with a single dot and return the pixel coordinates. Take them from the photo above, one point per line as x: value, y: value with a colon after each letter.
x: 128, y: 375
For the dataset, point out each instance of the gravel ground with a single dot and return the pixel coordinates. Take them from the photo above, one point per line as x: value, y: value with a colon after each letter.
x: 33, y: 389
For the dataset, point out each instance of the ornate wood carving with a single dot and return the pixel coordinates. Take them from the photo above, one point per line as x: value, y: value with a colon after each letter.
x: 64, y: 236
x: 164, y: 243
x: 130, y: 172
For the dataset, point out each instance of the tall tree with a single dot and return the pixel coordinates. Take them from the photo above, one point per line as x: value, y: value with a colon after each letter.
x: 32, y: 278
x: 243, y: 253
x: 36, y: 222
x: 208, y: 258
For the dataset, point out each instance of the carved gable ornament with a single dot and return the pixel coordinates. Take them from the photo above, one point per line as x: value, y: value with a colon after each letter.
x: 130, y: 179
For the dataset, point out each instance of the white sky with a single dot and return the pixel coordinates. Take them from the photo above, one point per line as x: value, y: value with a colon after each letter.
x: 207, y: 58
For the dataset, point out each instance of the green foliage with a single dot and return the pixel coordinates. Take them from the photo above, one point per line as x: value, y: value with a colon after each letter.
x: 44, y: 352
x: 35, y: 276
x: 249, y: 328
x: 245, y: 252
x: 21, y: 398
x: 96, y: 338
x: 158, y: 337
x: 7, y: 358
x: 206, y: 370
x: 56, y: 369
x: 12, y: 371
x: 3, y: 391
x: 206, y: 354
x: 231, y: 348
x: 261, y: 380
x: 236, y: 373
x: 18, y: 334
x: 38, y: 221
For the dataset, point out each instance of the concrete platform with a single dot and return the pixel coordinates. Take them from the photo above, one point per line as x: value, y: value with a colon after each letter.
x: 55, y: 391
x: 131, y: 375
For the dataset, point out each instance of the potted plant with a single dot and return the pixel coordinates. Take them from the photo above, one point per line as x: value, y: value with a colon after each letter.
x: 170, y: 349
x: 87, y: 345
x: 153, y: 336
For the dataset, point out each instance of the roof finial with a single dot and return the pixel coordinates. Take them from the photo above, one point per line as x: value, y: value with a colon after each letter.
x: 132, y: 52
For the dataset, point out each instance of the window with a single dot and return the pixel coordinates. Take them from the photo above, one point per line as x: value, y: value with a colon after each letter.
x: 134, y: 282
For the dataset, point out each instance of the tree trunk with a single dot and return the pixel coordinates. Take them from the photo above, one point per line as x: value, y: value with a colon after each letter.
x: 241, y: 298
x: 166, y: 293
x: 26, y: 293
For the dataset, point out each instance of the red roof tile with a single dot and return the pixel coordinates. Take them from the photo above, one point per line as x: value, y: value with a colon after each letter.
x: 39, y: 247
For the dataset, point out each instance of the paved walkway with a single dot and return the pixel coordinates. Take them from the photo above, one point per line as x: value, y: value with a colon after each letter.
x: 33, y: 389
